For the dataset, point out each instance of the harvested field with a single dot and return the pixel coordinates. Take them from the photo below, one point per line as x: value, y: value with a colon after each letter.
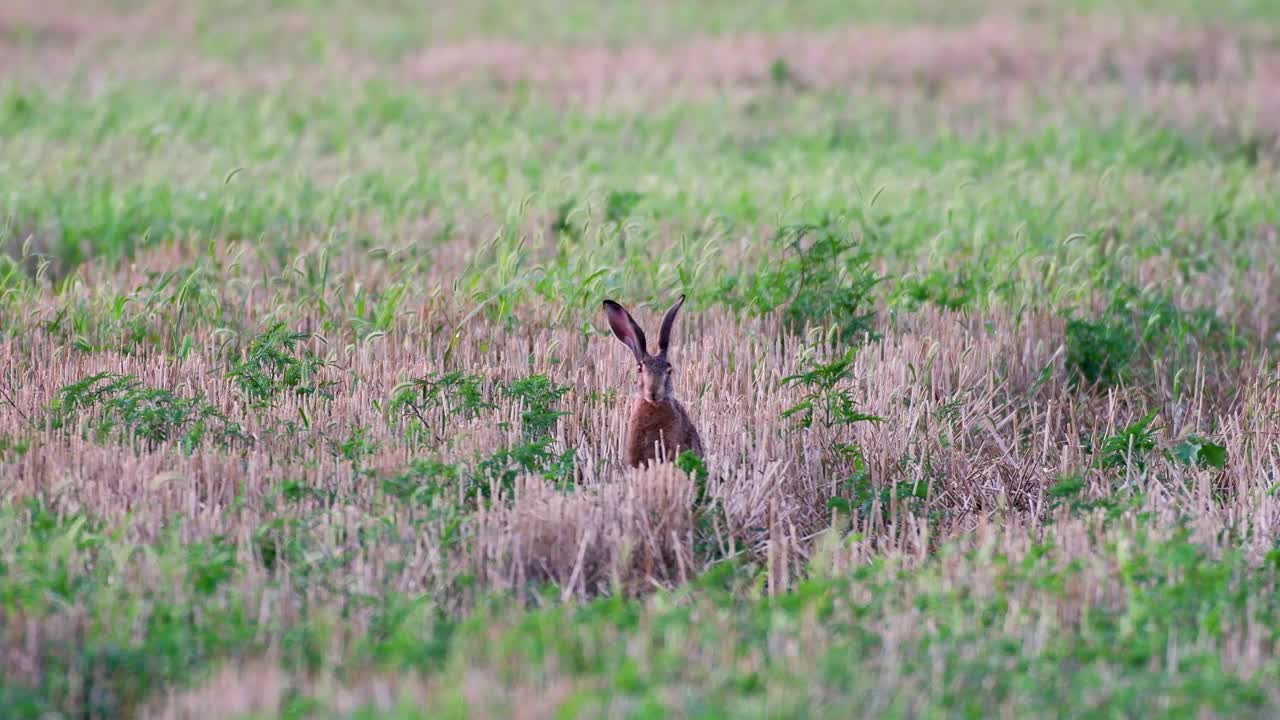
x: 309, y: 406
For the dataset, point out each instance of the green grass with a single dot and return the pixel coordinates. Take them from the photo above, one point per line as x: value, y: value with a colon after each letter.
x: 304, y: 385
x: 240, y: 31
x: 696, y: 650
x: 134, y: 168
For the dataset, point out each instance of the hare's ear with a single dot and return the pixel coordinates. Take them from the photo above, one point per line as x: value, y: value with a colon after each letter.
x: 626, y: 328
x: 664, y: 336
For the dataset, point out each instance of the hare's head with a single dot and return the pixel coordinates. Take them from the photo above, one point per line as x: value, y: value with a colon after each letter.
x: 653, y: 371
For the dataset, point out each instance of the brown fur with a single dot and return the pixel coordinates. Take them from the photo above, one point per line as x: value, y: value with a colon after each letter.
x: 660, y: 428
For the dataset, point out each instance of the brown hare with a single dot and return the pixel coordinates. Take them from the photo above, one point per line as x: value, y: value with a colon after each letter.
x: 660, y: 428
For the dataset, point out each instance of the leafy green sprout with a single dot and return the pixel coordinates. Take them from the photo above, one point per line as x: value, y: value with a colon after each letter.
x: 827, y: 398
x: 120, y: 406
x: 433, y: 399
x: 1131, y: 445
x: 275, y: 363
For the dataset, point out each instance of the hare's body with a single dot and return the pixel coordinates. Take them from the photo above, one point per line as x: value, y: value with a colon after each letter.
x: 659, y: 428
x: 659, y: 431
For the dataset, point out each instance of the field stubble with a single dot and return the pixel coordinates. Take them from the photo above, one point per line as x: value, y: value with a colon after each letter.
x: 978, y: 421
x: 340, y: 430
